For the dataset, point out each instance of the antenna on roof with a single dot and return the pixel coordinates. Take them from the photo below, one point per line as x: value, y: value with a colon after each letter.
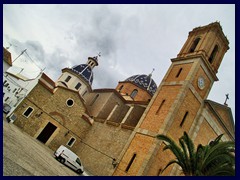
x: 19, y: 55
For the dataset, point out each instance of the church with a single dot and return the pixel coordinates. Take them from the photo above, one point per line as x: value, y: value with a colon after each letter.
x: 114, y: 131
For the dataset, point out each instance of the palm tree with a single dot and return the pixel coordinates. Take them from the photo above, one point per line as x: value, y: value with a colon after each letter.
x: 216, y: 158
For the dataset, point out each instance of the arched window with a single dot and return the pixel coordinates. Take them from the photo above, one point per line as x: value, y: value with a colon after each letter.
x: 160, y: 106
x: 194, y: 45
x: 213, y: 54
x: 130, y: 162
x: 78, y: 86
x: 134, y: 93
x: 184, y: 118
x: 68, y: 78
x: 179, y: 72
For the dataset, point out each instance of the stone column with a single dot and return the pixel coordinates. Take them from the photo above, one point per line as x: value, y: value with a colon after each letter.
x: 115, y: 107
x: 128, y: 113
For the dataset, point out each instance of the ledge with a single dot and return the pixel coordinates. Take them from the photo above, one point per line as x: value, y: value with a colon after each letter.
x: 100, y: 120
x: 112, y: 123
x: 127, y: 127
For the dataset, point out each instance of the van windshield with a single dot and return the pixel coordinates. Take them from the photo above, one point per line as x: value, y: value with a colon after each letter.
x: 78, y: 161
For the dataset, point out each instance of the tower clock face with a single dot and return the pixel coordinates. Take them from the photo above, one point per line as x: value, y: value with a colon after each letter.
x: 201, y: 82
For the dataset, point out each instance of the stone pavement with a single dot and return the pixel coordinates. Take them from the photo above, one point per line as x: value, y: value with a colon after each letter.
x: 25, y: 156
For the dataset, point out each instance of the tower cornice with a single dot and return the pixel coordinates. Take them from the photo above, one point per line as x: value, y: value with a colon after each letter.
x: 206, y: 63
x: 215, y: 26
x: 94, y: 59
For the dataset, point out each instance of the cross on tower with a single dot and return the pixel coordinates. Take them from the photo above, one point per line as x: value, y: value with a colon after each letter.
x: 96, y: 57
x: 225, y: 103
x: 150, y: 75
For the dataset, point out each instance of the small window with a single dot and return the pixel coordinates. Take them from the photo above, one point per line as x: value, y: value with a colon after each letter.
x: 94, y: 100
x: 179, y: 72
x: 84, y: 93
x: 160, y: 106
x: 184, y: 118
x: 78, y: 86
x: 6, y: 99
x: 28, y: 112
x: 130, y: 162
x: 134, y: 93
x: 19, y: 89
x: 213, y: 54
x: 119, y: 90
x: 68, y: 78
x: 71, y: 142
x: 70, y: 102
x: 14, y: 90
x: 194, y: 45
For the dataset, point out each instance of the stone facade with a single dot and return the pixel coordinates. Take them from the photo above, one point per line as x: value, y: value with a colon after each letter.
x: 126, y: 88
x: 67, y: 120
x: 100, y: 124
x: 103, y: 143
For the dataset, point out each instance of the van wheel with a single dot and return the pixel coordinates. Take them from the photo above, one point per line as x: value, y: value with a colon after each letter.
x: 79, y: 171
x: 62, y: 160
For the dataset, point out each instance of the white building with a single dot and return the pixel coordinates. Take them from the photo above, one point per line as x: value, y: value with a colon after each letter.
x: 15, y: 85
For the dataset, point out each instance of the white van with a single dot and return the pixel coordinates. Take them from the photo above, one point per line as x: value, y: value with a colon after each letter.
x: 69, y: 158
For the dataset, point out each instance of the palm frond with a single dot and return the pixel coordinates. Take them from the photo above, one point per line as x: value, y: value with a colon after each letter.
x: 170, y: 163
x: 191, y: 150
x: 174, y: 148
x: 216, y: 141
x: 214, y: 159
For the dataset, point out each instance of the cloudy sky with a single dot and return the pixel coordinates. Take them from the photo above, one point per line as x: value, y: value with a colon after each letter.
x: 132, y: 39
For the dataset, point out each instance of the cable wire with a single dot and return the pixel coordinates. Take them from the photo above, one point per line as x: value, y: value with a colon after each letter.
x: 81, y: 140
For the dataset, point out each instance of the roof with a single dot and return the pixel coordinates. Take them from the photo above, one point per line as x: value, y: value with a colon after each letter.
x: 7, y: 56
x: 144, y: 81
x: 50, y: 85
x: 84, y: 71
x: 120, y: 97
x: 48, y: 79
x: 224, y: 114
x: 215, y: 25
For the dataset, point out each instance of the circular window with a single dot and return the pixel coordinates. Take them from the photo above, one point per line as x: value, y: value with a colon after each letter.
x: 70, y: 102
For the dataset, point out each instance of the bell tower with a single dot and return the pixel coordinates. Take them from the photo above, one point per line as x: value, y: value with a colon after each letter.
x: 177, y: 104
x: 209, y: 42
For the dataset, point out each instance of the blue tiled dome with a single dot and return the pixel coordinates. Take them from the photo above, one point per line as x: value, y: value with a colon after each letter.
x: 84, y: 71
x: 144, y: 81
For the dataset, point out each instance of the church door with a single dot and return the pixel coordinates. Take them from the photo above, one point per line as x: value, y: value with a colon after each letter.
x: 46, y: 133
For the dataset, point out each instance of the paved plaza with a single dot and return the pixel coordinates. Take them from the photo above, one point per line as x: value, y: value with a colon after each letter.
x: 25, y: 156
